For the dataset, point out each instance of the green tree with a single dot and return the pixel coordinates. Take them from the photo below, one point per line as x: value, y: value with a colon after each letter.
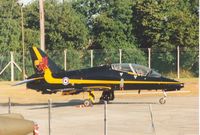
x: 164, y: 25
x: 31, y: 24
x: 10, y: 33
x: 111, y: 28
x: 90, y: 9
x: 63, y: 26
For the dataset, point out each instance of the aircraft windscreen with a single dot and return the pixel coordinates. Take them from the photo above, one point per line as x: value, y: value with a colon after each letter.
x: 134, y: 68
x: 141, y: 70
x: 154, y: 74
x: 121, y: 67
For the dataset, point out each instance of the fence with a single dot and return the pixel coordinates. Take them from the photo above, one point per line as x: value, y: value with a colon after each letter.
x: 173, y: 63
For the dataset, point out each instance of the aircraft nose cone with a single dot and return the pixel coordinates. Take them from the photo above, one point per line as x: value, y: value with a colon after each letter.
x: 182, y: 85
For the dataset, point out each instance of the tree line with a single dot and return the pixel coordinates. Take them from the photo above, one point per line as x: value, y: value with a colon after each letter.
x: 109, y: 25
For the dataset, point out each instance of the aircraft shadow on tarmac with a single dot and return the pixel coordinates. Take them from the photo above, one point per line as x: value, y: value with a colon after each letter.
x: 22, y: 104
x: 72, y: 103
x: 133, y: 102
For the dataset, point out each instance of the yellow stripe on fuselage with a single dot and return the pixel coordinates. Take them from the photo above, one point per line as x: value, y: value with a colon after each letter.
x: 78, y: 81
x: 50, y: 79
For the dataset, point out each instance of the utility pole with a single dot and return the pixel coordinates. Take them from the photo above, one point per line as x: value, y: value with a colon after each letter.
x: 23, y: 47
x: 42, y: 36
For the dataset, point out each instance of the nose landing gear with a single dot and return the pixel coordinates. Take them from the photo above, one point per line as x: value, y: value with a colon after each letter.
x: 163, y: 99
x: 89, y: 102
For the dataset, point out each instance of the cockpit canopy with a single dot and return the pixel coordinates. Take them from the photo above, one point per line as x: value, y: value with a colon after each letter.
x: 135, y: 69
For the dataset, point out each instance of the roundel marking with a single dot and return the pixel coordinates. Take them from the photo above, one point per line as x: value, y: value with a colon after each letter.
x: 65, y: 81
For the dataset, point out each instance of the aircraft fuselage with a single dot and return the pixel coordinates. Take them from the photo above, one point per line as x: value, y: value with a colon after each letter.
x: 106, y: 76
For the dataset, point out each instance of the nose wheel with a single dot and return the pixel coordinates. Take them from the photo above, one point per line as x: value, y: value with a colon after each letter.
x: 163, y: 99
x: 89, y: 102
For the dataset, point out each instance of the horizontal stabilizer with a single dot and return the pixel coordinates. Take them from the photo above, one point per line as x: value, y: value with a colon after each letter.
x: 27, y: 80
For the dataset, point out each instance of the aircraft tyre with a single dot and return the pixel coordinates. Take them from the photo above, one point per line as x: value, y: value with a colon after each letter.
x: 162, y: 100
x: 107, y: 96
x: 87, y: 102
x: 101, y: 101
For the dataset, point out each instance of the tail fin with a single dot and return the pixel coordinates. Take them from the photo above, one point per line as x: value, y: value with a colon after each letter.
x: 41, y: 61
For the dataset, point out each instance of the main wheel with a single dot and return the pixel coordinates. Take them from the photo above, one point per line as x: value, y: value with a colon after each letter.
x: 101, y: 101
x: 87, y: 103
x: 162, y: 101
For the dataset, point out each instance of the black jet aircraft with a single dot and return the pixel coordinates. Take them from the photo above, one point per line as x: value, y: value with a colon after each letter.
x: 49, y: 78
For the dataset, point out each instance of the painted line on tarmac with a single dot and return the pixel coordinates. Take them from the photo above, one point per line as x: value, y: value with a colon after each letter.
x: 136, y: 93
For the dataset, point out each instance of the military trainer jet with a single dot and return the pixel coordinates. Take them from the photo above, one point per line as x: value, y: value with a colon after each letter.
x: 49, y: 78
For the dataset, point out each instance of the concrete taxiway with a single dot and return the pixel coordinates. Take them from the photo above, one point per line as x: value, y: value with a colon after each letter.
x: 179, y: 116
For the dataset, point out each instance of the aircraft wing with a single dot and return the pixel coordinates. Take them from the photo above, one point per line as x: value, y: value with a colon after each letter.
x: 27, y: 80
x: 84, y: 89
x: 96, y: 88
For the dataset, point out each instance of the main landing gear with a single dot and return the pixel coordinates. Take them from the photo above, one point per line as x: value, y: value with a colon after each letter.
x: 107, y: 96
x: 163, y: 99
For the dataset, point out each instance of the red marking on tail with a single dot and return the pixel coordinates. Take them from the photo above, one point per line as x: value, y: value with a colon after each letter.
x: 43, y: 64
